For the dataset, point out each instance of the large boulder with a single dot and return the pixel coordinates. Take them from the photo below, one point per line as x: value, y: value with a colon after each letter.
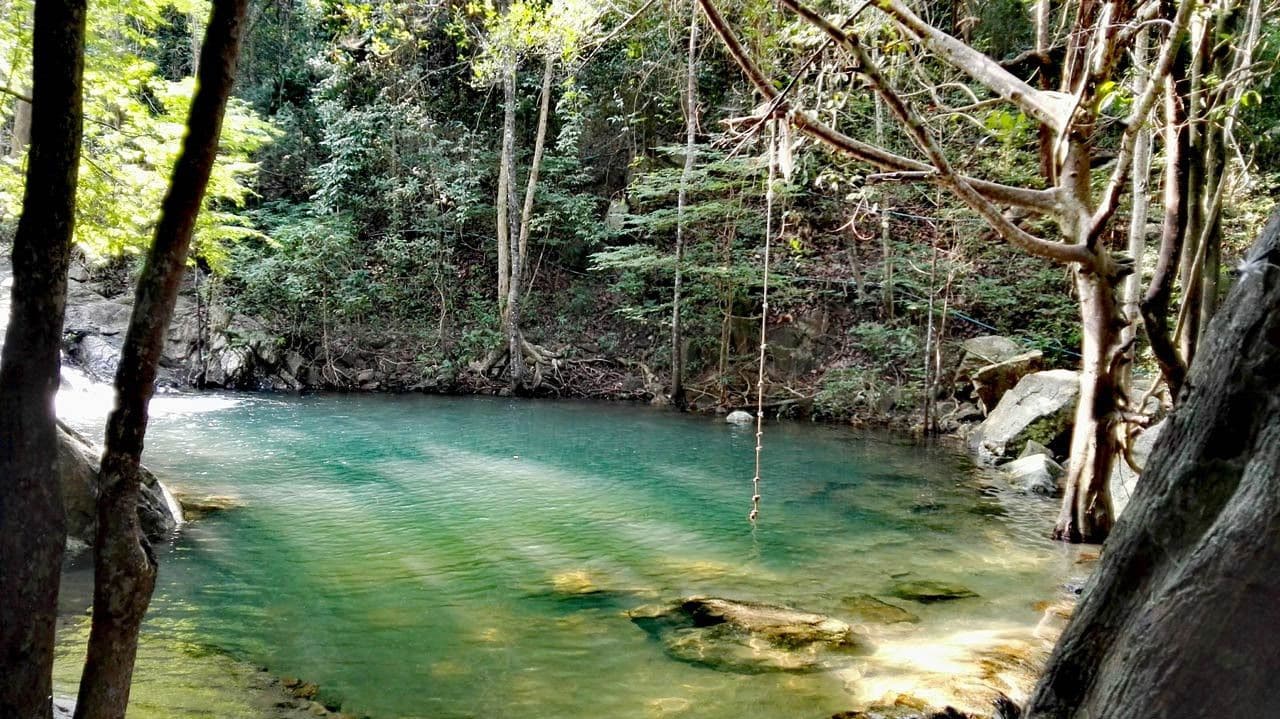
x: 78, y: 469
x: 745, y: 637
x: 1041, y: 408
x: 1123, y: 479
x: 978, y: 352
x: 992, y: 381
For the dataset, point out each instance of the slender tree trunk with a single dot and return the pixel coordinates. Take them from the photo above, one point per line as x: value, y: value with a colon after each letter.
x: 32, y: 523
x: 1086, y: 514
x: 124, y: 568
x: 1138, y: 216
x: 1180, y: 617
x: 1045, y: 137
x: 539, y: 148
x: 511, y: 325
x: 1155, y: 303
x: 503, y: 221
x: 682, y: 199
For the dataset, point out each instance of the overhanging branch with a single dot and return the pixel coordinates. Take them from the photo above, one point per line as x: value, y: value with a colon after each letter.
x: 1043, y: 202
x: 915, y: 126
x: 1044, y: 106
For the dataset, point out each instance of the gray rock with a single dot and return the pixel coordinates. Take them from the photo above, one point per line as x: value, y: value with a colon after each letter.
x: 77, y: 463
x: 1041, y: 408
x: 1034, y: 447
x: 739, y: 417
x: 991, y: 382
x: 63, y: 708
x: 294, y: 363
x: 1123, y: 479
x: 92, y: 313
x: 978, y: 352
x: 1034, y: 474
x: 990, y: 349
x: 928, y: 592
x: 98, y: 355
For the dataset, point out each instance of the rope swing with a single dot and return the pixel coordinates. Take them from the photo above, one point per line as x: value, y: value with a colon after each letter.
x: 764, y: 318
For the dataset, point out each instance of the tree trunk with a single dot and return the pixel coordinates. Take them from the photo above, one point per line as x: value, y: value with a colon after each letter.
x: 32, y: 523
x: 1086, y: 514
x: 511, y: 319
x: 539, y: 147
x: 124, y: 568
x: 682, y: 199
x: 20, y: 135
x: 1155, y: 303
x: 1137, y: 217
x: 1180, y: 617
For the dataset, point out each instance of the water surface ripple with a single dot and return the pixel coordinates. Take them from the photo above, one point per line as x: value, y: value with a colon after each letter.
x: 419, y: 556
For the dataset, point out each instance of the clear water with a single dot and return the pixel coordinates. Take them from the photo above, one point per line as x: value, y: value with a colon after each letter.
x: 419, y: 556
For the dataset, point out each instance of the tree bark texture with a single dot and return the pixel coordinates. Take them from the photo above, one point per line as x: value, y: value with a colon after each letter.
x: 124, y: 568
x: 1155, y: 303
x: 32, y: 522
x: 511, y: 319
x: 1140, y: 201
x: 1181, y: 616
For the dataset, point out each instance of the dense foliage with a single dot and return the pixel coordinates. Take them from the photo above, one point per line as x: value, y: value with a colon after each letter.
x: 353, y: 210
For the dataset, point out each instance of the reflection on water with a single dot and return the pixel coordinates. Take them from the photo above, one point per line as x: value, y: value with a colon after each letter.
x: 440, y: 557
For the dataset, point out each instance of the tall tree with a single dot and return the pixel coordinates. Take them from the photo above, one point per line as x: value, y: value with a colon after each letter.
x: 1097, y: 41
x: 1180, y: 616
x: 32, y: 523
x: 682, y: 197
x: 124, y: 567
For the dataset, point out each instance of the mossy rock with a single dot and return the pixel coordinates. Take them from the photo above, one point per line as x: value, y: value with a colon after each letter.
x: 929, y: 592
x: 866, y: 608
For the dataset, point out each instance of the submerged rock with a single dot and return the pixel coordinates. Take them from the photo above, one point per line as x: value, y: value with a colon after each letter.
x: 197, y: 506
x: 745, y: 637
x: 739, y: 417
x: 866, y: 608
x: 928, y: 592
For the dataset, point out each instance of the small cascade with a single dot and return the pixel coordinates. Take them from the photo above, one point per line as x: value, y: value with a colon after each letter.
x: 81, y: 400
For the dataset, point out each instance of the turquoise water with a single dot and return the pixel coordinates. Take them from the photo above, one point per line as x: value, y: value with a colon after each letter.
x: 473, y: 557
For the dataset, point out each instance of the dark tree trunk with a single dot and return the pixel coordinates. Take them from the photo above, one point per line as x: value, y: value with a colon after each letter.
x: 32, y: 524
x: 1155, y: 303
x: 1181, y: 617
x: 124, y: 569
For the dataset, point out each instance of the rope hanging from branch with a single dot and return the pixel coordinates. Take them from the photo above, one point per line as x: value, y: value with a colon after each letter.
x: 764, y: 318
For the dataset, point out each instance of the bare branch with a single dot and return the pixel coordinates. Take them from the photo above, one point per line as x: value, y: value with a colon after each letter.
x: 1137, y: 118
x: 1040, y: 201
x: 915, y: 126
x: 1042, y: 105
x: 14, y: 93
